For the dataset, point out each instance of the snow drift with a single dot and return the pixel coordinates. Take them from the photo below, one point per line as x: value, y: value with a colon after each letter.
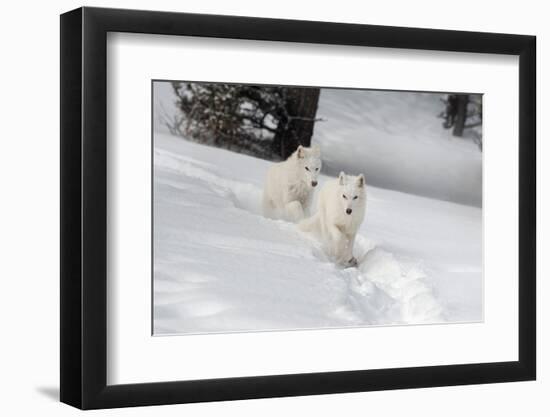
x: 398, y: 142
x: 220, y: 266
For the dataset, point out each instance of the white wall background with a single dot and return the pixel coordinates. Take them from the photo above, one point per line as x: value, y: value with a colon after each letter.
x: 29, y: 237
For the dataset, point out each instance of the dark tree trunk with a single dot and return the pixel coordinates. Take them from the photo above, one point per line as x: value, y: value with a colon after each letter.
x: 460, y: 121
x: 296, y: 125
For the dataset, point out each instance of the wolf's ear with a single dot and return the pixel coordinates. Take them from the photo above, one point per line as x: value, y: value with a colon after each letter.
x: 301, y: 152
x: 361, y: 180
x: 341, y: 178
x: 316, y: 150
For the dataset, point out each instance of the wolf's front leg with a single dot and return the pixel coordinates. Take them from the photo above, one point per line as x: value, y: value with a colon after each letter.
x: 342, y: 247
x: 348, y: 258
x: 306, y: 207
x: 337, y: 241
x: 294, y: 211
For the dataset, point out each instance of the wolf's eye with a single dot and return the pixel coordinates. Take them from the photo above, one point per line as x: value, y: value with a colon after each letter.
x: 355, y: 197
x: 316, y: 169
x: 343, y: 195
x: 307, y: 169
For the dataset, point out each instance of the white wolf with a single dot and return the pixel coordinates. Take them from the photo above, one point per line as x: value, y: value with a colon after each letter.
x: 341, y: 209
x: 289, y: 185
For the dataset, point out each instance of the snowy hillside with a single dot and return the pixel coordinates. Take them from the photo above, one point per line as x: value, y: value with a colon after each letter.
x: 399, y: 143
x: 221, y: 266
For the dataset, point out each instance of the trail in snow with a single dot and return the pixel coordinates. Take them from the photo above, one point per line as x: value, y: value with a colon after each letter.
x: 221, y: 266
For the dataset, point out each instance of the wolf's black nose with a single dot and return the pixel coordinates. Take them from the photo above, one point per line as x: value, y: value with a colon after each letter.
x: 314, y: 183
x: 348, y: 211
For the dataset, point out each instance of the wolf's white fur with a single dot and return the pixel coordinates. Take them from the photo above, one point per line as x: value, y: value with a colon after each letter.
x: 289, y: 185
x: 333, y: 222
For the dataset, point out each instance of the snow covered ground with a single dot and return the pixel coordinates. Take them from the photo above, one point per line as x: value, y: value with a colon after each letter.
x: 388, y: 129
x: 220, y: 266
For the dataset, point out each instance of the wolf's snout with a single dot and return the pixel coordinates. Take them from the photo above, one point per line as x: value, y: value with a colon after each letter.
x: 314, y: 183
x: 348, y: 211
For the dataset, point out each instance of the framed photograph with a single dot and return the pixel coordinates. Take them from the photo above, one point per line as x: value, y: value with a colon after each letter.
x: 259, y: 208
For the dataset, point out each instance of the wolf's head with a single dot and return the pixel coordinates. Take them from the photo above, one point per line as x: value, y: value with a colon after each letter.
x: 352, y: 191
x: 309, y: 163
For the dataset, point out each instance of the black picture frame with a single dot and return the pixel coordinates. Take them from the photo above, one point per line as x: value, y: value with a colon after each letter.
x: 84, y: 207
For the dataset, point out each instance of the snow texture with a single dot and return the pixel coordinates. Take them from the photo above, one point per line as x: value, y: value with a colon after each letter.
x: 399, y: 143
x: 220, y: 266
